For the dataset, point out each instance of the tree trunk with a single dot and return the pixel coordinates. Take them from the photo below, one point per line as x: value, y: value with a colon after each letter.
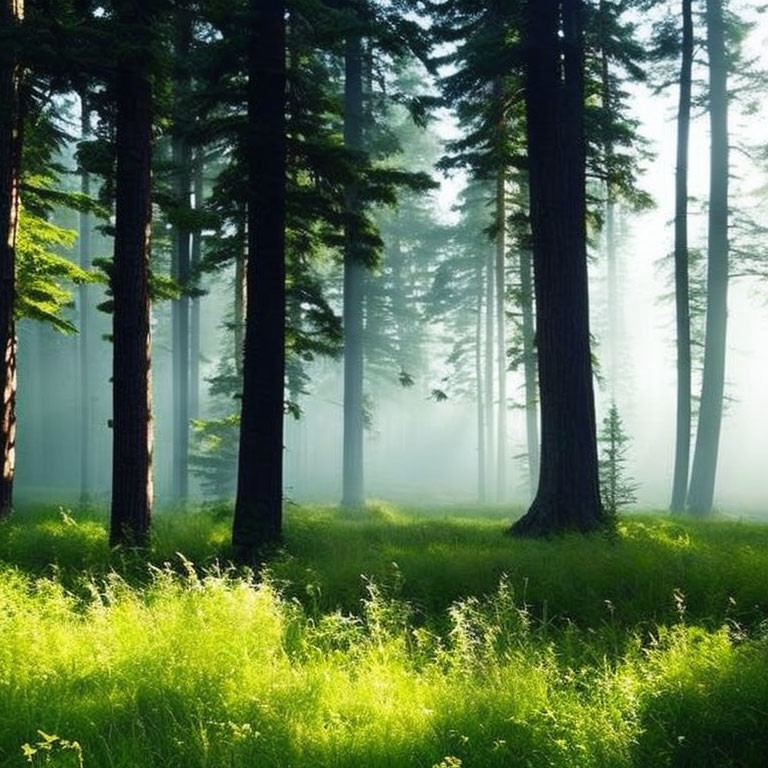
x: 568, y: 494
x: 682, y: 291
x: 131, y: 373
x: 194, y: 318
x: 488, y: 372
x: 259, y: 504
x: 529, y: 368
x: 10, y: 178
x: 84, y: 329
x: 353, y: 495
x: 481, y: 462
x: 501, y: 336
x: 182, y: 169
x: 701, y: 492
x: 240, y: 303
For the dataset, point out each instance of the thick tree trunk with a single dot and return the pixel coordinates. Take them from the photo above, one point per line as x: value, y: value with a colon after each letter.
x: 84, y: 324
x: 259, y: 505
x: 481, y: 463
x: 131, y: 373
x: 682, y: 291
x: 529, y: 369
x: 182, y: 167
x: 353, y: 494
x: 702, y: 489
x: 12, y: 13
x: 194, y: 316
x: 501, y: 336
x: 568, y: 494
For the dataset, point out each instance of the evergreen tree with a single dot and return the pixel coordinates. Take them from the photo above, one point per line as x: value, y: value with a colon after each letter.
x: 568, y: 493
x: 617, y: 489
x: 259, y: 504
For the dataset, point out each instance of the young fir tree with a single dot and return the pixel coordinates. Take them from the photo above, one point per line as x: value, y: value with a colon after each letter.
x: 617, y: 488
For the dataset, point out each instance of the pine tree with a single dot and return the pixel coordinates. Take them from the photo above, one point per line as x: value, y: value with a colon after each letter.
x: 568, y: 493
x: 617, y: 489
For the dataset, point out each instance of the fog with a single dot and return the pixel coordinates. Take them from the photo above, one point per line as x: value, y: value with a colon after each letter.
x: 420, y: 448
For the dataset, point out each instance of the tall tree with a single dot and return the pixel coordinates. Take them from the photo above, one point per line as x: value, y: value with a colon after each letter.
x: 682, y: 289
x: 84, y: 347
x: 258, y: 509
x: 182, y: 166
x: 704, y: 468
x: 11, y: 15
x: 568, y: 495
x: 354, y: 281
x: 132, y: 489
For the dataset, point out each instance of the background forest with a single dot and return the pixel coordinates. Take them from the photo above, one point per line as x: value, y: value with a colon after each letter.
x: 382, y: 383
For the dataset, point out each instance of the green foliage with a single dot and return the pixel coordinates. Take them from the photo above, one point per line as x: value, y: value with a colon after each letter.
x: 642, y: 651
x: 617, y: 489
x: 42, y: 273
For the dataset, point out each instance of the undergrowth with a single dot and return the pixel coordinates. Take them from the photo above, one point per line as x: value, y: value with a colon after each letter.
x: 403, y: 638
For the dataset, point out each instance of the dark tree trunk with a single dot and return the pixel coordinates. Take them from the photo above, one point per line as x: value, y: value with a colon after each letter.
x: 481, y: 463
x: 259, y: 505
x: 568, y: 494
x: 131, y: 372
x: 10, y: 176
x: 501, y: 336
x: 682, y: 290
x: 240, y: 303
x: 353, y: 494
x: 84, y: 325
x: 701, y: 492
x: 529, y: 369
x: 194, y: 317
x: 182, y: 165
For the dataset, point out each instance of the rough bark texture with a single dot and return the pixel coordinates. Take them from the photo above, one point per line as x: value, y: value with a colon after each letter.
x: 702, y: 489
x: 132, y: 489
x: 568, y: 494
x: 11, y: 13
x: 84, y: 240
x: 682, y: 290
x: 353, y: 493
x: 259, y: 505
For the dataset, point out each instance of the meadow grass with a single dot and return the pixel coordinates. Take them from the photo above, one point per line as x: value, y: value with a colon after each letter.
x: 397, y: 637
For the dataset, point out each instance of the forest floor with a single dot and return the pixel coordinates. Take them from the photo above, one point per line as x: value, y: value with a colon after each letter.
x: 422, y: 638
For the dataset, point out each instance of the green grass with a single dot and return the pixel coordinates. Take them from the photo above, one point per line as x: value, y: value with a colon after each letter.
x: 403, y: 638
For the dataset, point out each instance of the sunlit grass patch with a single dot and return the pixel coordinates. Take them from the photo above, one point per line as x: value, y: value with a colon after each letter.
x: 389, y: 638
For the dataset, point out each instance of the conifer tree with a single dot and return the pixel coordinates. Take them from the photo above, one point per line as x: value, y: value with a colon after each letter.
x: 617, y: 489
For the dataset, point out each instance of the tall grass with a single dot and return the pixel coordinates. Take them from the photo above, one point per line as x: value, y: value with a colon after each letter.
x: 473, y: 650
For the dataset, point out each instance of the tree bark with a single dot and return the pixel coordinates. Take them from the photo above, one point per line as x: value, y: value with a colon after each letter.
x: 259, y: 504
x: 490, y: 350
x: 702, y: 488
x: 194, y: 318
x: 529, y: 369
x: 568, y: 494
x: 501, y: 336
x: 353, y: 494
x: 682, y: 290
x: 481, y: 462
x: 182, y: 165
x: 132, y: 489
x: 84, y: 325
x: 10, y: 178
